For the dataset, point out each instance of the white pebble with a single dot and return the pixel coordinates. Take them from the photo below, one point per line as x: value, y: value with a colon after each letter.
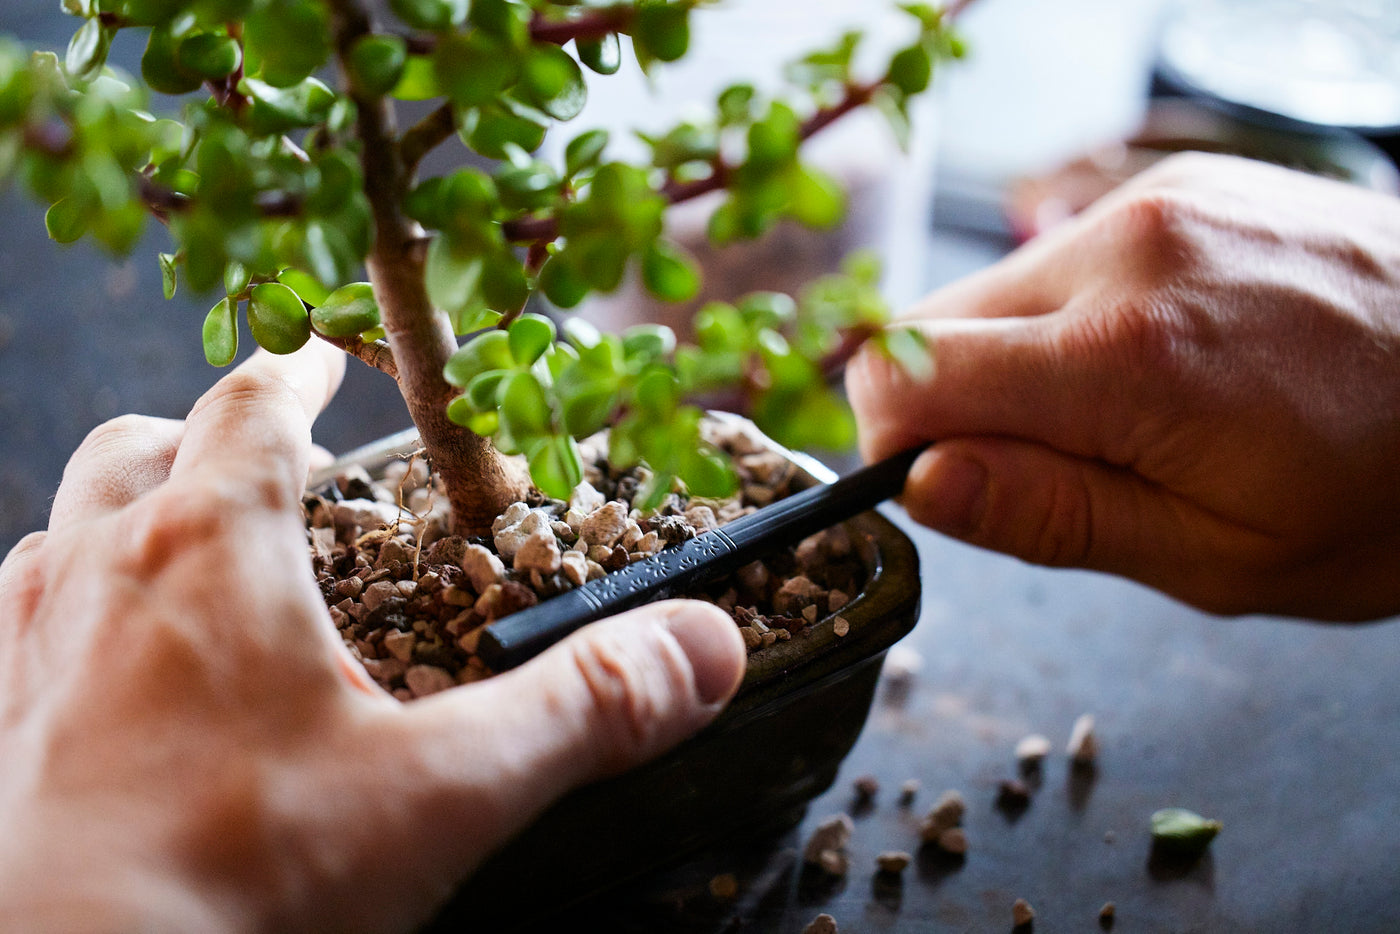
x: 605, y: 525
x: 482, y: 567
x: 1083, y: 745
x: 539, y: 552
x: 1032, y: 749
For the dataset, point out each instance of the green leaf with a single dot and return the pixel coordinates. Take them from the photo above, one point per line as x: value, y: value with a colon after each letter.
x: 277, y: 110
x: 167, y: 274
x: 87, y: 50
x: 530, y: 335
x: 719, y: 327
x: 601, y: 55
x: 911, y: 69
x: 508, y: 20
x: 706, y: 472
x: 816, y: 198
x: 826, y: 65
x: 419, y: 81
x: 487, y: 424
x: 774, y: 139
x: 277, y: 318
x: 648, y: 342
x: 553, y: 82
x: 908, y: 348
x: 209, y: 55
x: 433, y: 15
x: 657, y: 392
x: 221, y: 334
x: 662, y: 30
x: 236, y: 278
x: 492, y: 130
x: 528, y: 187
x: 473, y: 68
x: 1183, y: 831
x: 329, y: 253
x: 489, y: 350
x: 893, y: 105
x: 561, y: 283
x: 504, y: 284
x: 376, y: 63
x: 152, y: 12
x: 460, y: 412
x: 306, y: 286
x: 669, y: 273
x: 555, y: 466
x: 483, y: 392
x: 453, y: 277
x: 161, y: 69
x: 736, y: 104
x: 584, y: 151
x: 810, y: 416
x: 346, y: 312
x: 285, y: 41
x: 524, y: 410
x: 338, y: 175
x: 588, y: 402
x: 67, y: 220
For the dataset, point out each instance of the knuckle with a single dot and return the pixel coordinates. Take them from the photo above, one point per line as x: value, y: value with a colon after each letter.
x: 116, y: 434
x: 630, y: 689
x: 1064, y: 535
x: 1157, y: 223
x: 168, y: 525
x: 243, y: 390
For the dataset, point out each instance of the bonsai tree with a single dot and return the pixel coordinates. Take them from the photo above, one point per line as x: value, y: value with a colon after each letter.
x: 285, y: 179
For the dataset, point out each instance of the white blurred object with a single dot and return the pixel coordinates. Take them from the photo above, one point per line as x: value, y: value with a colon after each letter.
x: 1326, y: 62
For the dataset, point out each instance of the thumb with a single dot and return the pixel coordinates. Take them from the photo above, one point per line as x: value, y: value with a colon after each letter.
x: 1048, y: 507
x: 613, y: 695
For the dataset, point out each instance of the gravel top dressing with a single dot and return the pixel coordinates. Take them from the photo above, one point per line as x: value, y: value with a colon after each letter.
x: 409, y: 599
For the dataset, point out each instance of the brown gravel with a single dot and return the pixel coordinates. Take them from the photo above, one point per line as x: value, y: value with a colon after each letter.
x: 407, y: 597
x: 1022, y: 914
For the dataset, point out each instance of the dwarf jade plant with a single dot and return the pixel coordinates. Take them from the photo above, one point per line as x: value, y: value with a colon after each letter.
x: 285, y: 179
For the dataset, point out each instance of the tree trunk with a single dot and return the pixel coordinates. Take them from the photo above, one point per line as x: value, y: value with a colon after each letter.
x: 480, y: 482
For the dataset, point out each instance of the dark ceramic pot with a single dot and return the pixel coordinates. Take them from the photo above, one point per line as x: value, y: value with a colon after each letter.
x: 779, y: 743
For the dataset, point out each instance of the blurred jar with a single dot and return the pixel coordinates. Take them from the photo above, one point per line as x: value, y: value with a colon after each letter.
x: 1331, y: 63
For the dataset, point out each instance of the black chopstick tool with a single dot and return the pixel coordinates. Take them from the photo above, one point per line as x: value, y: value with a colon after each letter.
x: 522, y: 635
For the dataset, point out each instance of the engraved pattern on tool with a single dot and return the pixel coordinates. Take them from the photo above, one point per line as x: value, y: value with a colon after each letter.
x: 661, y: 567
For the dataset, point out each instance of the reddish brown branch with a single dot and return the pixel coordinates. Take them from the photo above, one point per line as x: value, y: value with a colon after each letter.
x: 375, y: 353
x: 545, y: 229
x: 425, y: 136
x: 589, y: 27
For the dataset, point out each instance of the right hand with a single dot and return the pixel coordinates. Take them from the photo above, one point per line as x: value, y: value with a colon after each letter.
x: 1195, y: 384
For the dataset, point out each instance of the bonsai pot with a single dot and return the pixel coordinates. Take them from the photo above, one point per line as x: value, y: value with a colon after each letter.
x: 778, y: 744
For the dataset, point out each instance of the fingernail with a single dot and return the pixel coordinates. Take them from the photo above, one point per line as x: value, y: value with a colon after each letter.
x: 710, y: 641
x: 960, y: 491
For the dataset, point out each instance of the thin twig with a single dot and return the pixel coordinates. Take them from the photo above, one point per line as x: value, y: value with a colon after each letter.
x: 375, y: 353
x: 425, y: 136
x: 545, y: 229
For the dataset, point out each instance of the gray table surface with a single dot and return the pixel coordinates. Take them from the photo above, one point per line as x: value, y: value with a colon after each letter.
x: 1288, y: 732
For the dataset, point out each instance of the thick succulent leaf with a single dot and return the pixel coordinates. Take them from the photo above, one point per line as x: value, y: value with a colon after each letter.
x: 220, y: 333
x: 277, y: 318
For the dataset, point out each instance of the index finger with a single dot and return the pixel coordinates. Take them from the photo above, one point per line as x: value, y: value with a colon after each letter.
x: 254, y: 425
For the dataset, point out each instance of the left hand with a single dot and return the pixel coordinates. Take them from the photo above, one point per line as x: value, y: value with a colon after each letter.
x: 187, y: 745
